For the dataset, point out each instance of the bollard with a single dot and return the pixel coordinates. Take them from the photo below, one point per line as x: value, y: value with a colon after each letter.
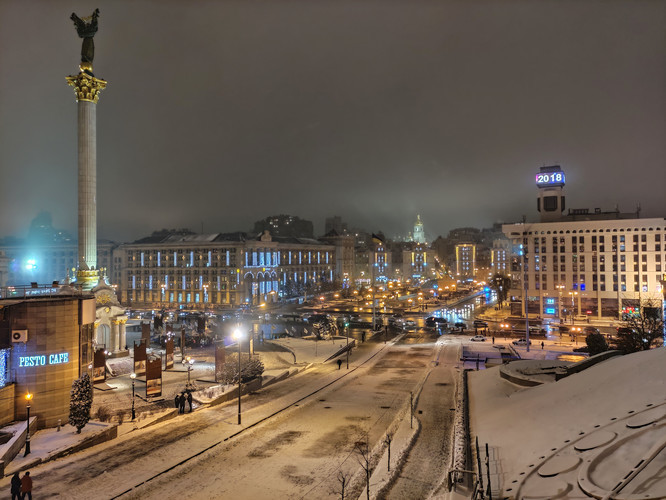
x: 59, y: 424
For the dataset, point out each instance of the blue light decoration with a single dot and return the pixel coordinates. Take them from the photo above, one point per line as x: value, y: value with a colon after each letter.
x: 582, y: 287
x: 550, y: 310
x: 550, y: 301
x: 4, y: 363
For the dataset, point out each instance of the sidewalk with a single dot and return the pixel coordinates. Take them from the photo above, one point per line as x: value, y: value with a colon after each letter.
x: 49, y: 444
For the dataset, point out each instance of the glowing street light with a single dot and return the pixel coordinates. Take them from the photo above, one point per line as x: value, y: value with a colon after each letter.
x: 28, y: 398
x: 189, y: 362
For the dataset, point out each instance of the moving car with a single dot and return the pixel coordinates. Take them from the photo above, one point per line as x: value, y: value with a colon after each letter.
x: 409, y: 323
x: 480, y: 324
x: 478, y: 338
x: 460, y: 325
x: 522, y: 342
x: 590, y: 329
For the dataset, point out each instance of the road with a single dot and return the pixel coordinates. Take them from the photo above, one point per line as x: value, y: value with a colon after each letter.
x: 314, y: 432
x: 430, y: 457
x: 301, y: 452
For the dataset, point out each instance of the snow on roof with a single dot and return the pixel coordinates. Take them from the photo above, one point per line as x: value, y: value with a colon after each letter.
x: 524, y: 425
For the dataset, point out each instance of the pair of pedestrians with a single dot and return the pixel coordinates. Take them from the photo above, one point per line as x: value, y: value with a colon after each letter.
x: 180, y: 399
x: 21, y: 486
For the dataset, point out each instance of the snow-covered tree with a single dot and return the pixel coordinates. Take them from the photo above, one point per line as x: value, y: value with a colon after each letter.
x: 250, y: 368
x: 80, y: 402
x: 643, y: 330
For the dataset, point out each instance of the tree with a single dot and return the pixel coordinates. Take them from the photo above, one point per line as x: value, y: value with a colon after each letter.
x: 251, y: 368
x: 501, y: 285
x: 640, y: 331
x: 364, y: 456
x: 80, y: 402
x: 596, y: 343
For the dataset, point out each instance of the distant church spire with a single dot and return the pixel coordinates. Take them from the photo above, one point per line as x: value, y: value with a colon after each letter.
x: 419, y: 233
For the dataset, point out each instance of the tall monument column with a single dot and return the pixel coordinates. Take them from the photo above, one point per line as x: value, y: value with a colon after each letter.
x: 87, y: 89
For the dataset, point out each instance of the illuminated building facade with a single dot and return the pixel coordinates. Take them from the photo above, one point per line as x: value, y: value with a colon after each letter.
x: 45, y: 344
x: 199, y: 271
x: 465, y: 261
x: 500, y: 257
x: 587, y: 268
x: 584, y: 264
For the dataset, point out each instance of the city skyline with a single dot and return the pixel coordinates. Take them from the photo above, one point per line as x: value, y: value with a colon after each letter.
x: 220, y: 115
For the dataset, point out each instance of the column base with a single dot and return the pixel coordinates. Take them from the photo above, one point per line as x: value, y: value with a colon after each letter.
x: 87, y: 280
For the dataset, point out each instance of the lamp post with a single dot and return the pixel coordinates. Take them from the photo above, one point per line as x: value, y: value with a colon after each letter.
x: 238, y: 336
x: 573, y: 294
x: 559, y: 302
x: 189, y: 362
x: 28, y: 398
x: 347, y: 333
x: 133, y: 376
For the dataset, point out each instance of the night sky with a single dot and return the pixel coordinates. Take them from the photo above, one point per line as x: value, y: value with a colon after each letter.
x: 220, y: 113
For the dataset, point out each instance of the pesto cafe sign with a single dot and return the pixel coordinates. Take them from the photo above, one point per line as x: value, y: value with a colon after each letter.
x: 44, y: 359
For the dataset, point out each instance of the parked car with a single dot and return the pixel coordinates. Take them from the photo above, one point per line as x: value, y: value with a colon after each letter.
x: 522, y: 342
x: 480, y: 324
x: 478, y: 338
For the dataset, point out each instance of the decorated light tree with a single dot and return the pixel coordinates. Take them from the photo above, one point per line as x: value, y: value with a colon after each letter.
x: 80, y: 402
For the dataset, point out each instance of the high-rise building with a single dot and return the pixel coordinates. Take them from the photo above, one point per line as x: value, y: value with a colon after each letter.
x: 584, y: 263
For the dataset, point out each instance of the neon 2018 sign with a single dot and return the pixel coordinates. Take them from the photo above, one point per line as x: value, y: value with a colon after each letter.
x: 546, y: 179
x: 44, y: 359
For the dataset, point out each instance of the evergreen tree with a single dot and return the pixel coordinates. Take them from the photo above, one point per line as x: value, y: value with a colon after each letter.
x: 80, y: 402
x: 596, y: 343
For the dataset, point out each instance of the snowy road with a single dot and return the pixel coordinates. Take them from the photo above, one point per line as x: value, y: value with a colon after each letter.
x: 430, y: 457
x: 300, y: 453
x: 295, y: 453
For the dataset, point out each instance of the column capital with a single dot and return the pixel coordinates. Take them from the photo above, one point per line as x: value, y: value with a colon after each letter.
x: 86, y: 87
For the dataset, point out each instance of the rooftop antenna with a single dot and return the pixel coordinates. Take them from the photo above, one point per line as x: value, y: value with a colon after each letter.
x: 638, y: 210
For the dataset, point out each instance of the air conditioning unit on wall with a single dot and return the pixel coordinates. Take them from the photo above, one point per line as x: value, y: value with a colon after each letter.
x: 19, y: 335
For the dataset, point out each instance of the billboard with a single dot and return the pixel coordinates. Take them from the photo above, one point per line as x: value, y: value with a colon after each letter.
x: 99, y: 366
x: 153, y: 377
x: 168, y: 359
x: 140, y: 358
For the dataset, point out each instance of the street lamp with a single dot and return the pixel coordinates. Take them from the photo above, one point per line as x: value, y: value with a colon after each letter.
x: 133, y: 376
x: 559, y: 302
x: 189, y: 362
x: 573, y: 294
x: 28, y: 398
x: 238, y: 335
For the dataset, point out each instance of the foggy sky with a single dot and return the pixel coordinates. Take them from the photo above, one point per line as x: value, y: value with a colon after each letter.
x: 222, y: 113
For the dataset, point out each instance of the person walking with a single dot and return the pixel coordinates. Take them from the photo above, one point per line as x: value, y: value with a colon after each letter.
x: 176, y: 400
x: 16, y: 486
x: 339, y: 363
x: 189, y: 399
x: 182, y: 403
x: 26, y: 486
x: 541, y: 345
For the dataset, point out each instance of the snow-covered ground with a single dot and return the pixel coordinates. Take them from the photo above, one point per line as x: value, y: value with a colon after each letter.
x: 585, y: 432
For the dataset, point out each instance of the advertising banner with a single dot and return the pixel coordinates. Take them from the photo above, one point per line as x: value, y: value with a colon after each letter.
x: 168, y: 360
x: 182, y: 341
x: 153, y: 377
x: 219, y: 359
x: 145, y: 332
x: 99, y: 366
x: 140, y: 358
